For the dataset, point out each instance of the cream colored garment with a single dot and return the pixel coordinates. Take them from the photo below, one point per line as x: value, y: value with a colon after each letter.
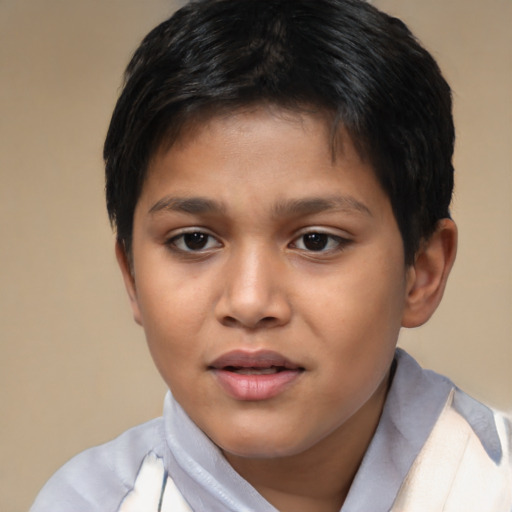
x: 154, y: 491
x: 454, y: 473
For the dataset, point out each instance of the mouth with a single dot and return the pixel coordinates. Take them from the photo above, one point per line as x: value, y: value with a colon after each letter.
x: 255, y: 371
x: 255, y: 376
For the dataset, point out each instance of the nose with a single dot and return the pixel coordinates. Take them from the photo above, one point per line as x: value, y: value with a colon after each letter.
x: 254, y: 293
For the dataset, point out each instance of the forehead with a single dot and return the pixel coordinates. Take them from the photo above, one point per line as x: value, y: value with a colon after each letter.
x: 330, y: 135
x: 186, y: 126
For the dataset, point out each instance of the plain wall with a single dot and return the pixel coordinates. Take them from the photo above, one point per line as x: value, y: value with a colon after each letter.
x: 74, y: 368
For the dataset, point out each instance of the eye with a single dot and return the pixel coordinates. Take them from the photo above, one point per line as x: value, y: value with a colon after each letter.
x: 318, y: 241
x: 193, y: 241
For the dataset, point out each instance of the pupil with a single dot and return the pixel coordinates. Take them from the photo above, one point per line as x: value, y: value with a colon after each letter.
x: 195, y: 240
x: 315, y: 241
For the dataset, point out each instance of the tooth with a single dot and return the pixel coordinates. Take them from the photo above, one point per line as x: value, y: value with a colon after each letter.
x: 267, y: 371
x: 257, y: 371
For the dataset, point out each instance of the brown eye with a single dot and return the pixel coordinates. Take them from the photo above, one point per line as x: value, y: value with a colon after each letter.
x: 195, y: 241
x: 315, y: 241
x: 320, y: 242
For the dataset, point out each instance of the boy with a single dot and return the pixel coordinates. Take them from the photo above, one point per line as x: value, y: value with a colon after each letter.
x: 279, y: 174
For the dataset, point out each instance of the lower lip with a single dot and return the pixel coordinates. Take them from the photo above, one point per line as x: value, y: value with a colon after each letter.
x: 255, y: 387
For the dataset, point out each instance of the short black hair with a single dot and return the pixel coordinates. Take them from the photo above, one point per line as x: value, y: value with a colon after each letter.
x: 361, y: 67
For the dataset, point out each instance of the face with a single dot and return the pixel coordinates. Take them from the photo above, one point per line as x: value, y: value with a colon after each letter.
x: 269, y: 278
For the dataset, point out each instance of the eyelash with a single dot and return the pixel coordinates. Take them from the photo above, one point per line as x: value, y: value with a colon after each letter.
x: 175, y: 241
x: 333, y: 243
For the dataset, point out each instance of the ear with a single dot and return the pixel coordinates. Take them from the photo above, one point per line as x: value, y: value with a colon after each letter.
x: 129, y: 280
x: 428, y: 275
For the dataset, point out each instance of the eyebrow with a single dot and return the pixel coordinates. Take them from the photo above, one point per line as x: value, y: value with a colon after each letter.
x: 192, y: 205
x: 312, y: 205
x: 286, y: 208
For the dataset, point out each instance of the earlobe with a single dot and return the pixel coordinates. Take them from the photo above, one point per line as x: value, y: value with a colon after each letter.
x: 427, y: 277
x: 129, y: 280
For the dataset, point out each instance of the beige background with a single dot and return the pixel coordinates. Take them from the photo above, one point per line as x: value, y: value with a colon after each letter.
x: 74, y: 369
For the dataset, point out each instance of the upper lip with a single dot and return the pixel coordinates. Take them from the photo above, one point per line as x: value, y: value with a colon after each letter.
x: 257, y: 359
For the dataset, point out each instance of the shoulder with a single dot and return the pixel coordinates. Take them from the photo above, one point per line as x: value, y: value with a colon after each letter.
x: 99, y: 478
x: 490, y: 429
x: 465, y: 461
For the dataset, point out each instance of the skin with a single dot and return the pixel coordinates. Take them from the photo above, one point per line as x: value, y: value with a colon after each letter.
x: 257, y: 284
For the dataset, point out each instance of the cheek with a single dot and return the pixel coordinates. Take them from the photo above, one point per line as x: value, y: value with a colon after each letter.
x: 169, y: 295
x: 358, y: 301
x: 173, y: 313
x: 358, y: 317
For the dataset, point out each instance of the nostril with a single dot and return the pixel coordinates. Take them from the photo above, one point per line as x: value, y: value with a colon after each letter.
x: 267, y: 321
x: 229, y: 321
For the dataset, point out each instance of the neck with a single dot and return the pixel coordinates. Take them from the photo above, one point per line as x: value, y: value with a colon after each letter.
x: 318, y: 479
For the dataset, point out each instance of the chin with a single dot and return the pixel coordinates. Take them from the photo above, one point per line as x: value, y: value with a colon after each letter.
x: 263, y: 447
